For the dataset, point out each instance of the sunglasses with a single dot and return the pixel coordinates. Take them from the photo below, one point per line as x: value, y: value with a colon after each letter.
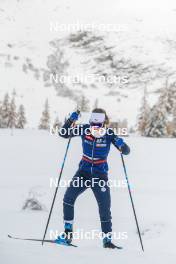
x: 96, y: 124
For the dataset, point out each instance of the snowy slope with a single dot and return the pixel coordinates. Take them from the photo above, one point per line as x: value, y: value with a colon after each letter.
x: 30, y: 158
x: 148, y: 39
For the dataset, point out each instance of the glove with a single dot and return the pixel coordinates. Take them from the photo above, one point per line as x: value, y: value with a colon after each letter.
x: 119, y: 142
x: 74, y: 116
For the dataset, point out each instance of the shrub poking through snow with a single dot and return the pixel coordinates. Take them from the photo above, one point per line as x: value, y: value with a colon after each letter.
x: 33, y: 203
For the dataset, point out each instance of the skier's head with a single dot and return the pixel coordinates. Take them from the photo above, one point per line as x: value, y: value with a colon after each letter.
x: 98, y: 122
x: 99, y: 116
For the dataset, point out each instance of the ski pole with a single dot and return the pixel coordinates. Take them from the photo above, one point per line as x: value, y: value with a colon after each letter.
x: 54, y: 198
x: 131, y: 198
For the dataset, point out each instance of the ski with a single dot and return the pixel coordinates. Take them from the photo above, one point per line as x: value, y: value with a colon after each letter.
x: 114, y: 246
x: 118, y: 247
x: 40, y: 240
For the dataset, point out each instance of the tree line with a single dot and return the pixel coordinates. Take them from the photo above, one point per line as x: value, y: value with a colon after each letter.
x: 159, y: 120
x: 156, y: 121
x: 10, y: 117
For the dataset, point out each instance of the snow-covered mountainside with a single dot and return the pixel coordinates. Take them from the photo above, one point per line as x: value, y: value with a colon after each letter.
x: 34, y: 46
x: 29, y: 159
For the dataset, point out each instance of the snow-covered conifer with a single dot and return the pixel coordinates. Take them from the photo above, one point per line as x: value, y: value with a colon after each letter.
x: 45, y: 119
x: 157, y: 121
x: 143, y: 114
x: 83, y: 104
x: 21, y: 118
x: 12, y: 115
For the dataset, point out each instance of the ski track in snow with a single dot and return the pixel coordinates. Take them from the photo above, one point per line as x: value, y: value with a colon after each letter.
x: 30, y: 157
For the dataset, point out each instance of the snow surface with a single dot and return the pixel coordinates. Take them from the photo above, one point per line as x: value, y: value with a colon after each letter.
x: 29, y: 158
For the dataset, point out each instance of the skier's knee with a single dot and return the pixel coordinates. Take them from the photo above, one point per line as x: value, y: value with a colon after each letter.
x: 68, y: 201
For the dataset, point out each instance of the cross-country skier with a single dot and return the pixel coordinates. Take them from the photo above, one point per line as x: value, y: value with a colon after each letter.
x: 93, y: 167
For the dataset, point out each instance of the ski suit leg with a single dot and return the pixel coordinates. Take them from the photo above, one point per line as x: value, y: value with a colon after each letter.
x: 102, y: 195
x: 70, y: 197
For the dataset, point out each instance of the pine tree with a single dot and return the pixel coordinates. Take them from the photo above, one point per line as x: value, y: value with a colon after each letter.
x: 157, y: 121
x: 170, y: 105
x: 45, y: 119
x: 12, y: 115
x: 160, y: 121
x: 167, y: 101
x: 83, y: 104
x: 168, y: 96
x: 144, y: 114
x: 0, y: 114
x: 14, y: 93
x: 5, y: 111
x: 57, y: 125
x: 21, y: 119
x: 174, y: 122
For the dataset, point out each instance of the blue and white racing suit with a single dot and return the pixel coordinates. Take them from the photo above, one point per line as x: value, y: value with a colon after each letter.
x: 92, y: 167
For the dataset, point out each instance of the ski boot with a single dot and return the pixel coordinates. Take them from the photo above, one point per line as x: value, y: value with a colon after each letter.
x: 66, y: 237
x: 107, y: 243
